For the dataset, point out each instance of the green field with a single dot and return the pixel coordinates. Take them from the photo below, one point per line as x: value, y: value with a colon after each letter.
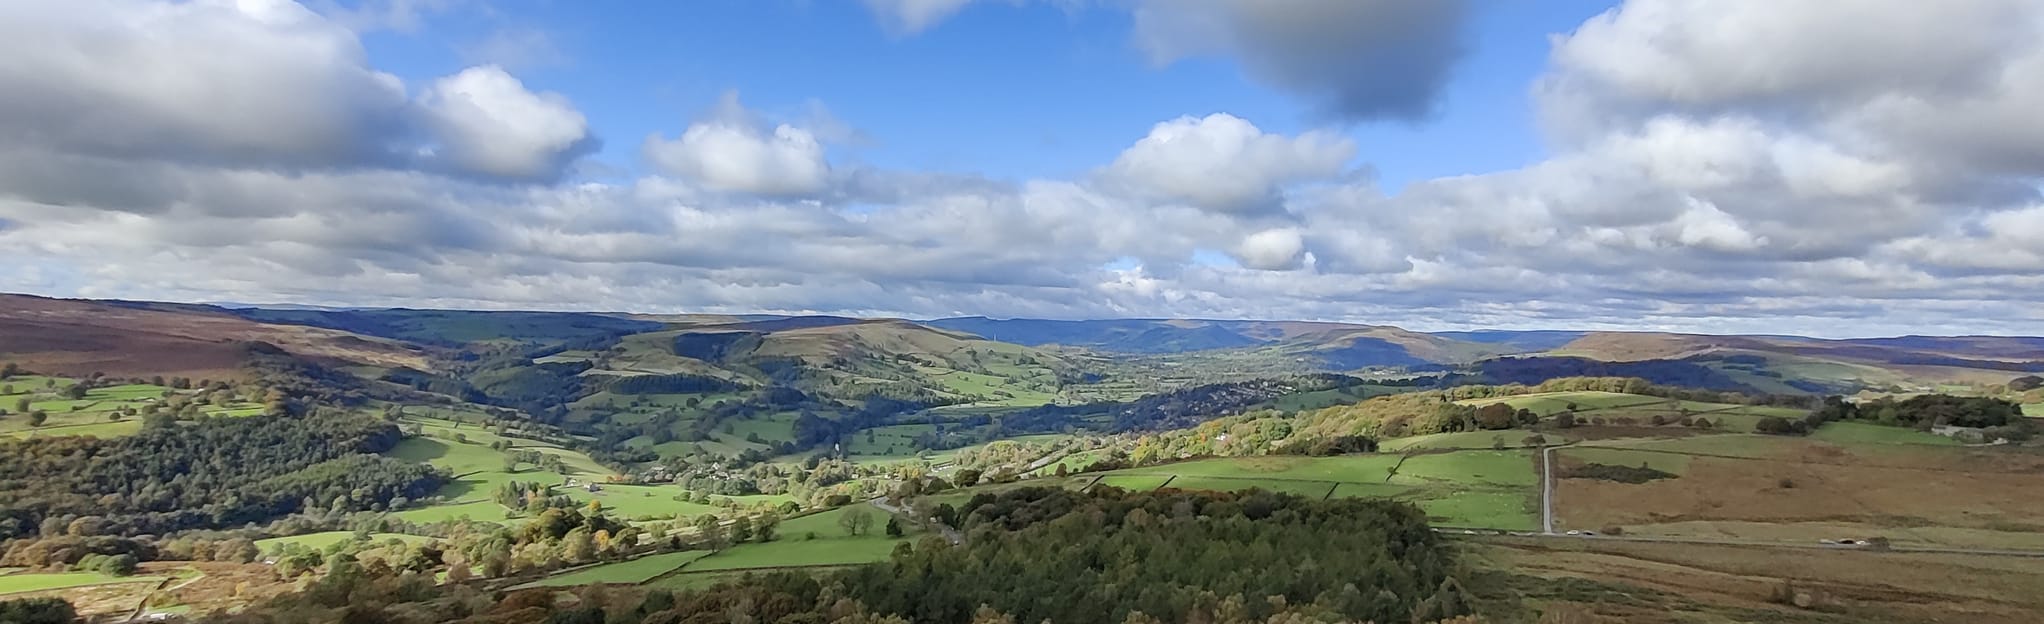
x: 319, y: 541
x: 1468, y: 440
x: 1500, y: 468
x: 1310, y: 489
x: 833, y: 546
x: 1349, y: 469
x: 792, y: 551
x: 891, y: 440
x: 1754, y: 446
x: 1547, y: 403
x: 1473, y: 488
x: 1671, y: 463
x: 102, y: 413
x: 2033, y: 409
x: 481, y: 511
x: 44, y: 581
x: 1849, y: 433
x: 1134, y: 482
x: 632, y: 572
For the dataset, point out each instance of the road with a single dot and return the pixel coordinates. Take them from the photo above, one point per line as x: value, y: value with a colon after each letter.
x: 1547, y: 489
x: 950, y: 534
x: 1771, y: 544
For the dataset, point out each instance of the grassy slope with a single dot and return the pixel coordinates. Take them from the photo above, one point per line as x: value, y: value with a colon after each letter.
x: 1469, y: 488
x: 44, y: 581
x: 92, y: 414
x: 634, y: 572
x: 833, y: 546
x: 322, y: 540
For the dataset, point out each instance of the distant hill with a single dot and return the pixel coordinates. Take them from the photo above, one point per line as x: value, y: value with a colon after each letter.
x: 78, y: 337
x: 1331, y: 346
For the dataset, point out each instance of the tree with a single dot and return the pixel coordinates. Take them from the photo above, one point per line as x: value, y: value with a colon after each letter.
x: 1495, y: 416
x: 21, y: 404
x: 763, y: 530
x: 710, y: 532
x: 579, y: 545
x: 967, y: 477
x: 855, y: 521
x: 893, y: 527
x: 1565, y: 420
x: 37, y: 610
x: 741, y: 529
x: 75, y: 392
x: 37, y: 418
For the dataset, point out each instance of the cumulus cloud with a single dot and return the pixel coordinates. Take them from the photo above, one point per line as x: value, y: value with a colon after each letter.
x: 1223, y: 162
x: 1708, y: 173
x: 235, y: 83
x: 733, y: 151
x: 486, y: 121
x: 1272, y: 250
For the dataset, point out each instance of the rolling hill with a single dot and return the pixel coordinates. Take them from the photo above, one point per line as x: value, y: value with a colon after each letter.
x: 80, y: 337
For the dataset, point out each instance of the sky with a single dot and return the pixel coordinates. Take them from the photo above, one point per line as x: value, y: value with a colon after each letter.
x: 1843, y: 168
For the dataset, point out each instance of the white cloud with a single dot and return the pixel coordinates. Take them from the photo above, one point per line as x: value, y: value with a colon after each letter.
x: 731, y: 151
x: 1694, y: 184
x: 265, y: 83
x: 487, y: 122
x: 913, y: 16
x: 1272, y: 250
x: 1222, y: 162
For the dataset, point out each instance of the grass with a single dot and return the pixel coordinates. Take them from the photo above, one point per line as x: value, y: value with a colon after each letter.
x: 1849, y: 433
x: 1491, y: 509
x: 319, y: 541
x: 1467, y: 440
x: 1754, y: 446
x: 1671, y: 463
x: 833, y: 546
x: 45, y: 581
x: 97, y: 429
x: 1502, y: 468
x: 891, y: 440
x: 791, y: 551
x: 1349, y: 469
x: 1309, y: 489
x: 2033, y: 409
x: 633, y: 572
x: 1134, y: 482
x: 481, y: 511
x: 1473, y: 488
x: 1545, y: 403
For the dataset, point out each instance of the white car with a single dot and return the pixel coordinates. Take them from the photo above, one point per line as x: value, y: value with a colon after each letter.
x: 1575, y: 532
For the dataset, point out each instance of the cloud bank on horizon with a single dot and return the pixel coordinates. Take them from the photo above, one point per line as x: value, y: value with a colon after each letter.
x: 1743, y: 167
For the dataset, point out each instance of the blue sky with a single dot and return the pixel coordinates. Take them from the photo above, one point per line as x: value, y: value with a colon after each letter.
x: 1847, y: 168
x: 1007, y: 90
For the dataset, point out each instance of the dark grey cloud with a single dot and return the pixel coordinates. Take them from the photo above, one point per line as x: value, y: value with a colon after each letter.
x: 1355, y: 59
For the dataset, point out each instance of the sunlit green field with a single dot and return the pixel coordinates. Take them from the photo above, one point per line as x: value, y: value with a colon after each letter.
x: 633, y: 572
x: 44, y: 581
x: 318, y: 541
x: 1469, y: 488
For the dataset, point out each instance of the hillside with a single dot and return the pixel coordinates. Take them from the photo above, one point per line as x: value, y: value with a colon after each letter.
x: 79, y: 337
x: 1790, y: 363
x: 1319, y: 345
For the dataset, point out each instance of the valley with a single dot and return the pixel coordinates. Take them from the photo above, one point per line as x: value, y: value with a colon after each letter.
x: 550, y: 452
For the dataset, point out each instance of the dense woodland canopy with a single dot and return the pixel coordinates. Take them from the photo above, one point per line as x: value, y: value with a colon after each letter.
x: 1033, y: 554
x: 209, y: 474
